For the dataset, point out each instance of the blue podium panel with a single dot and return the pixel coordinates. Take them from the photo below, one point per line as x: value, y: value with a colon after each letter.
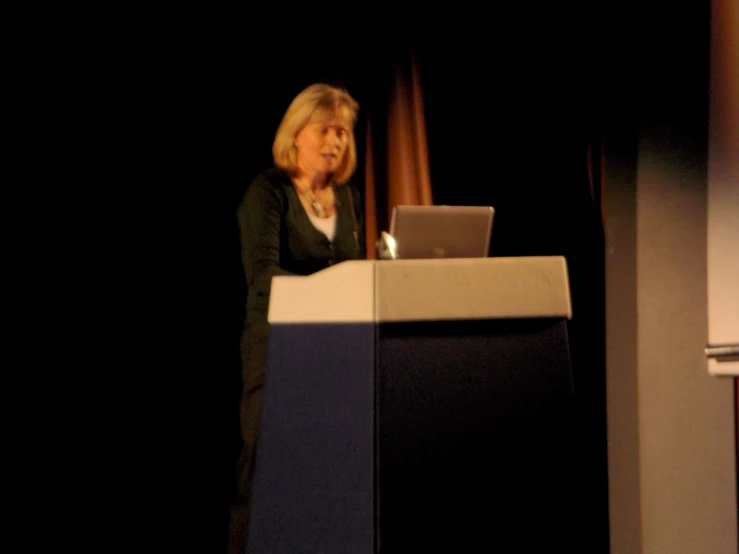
x: 429, y: 407
x: 475, y: 437
x: 314, y: 477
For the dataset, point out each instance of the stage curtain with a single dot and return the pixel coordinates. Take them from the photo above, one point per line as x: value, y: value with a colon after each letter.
x: 396, y: 156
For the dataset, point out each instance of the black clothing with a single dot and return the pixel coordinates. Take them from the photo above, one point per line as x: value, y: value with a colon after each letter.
x: 278, y: 238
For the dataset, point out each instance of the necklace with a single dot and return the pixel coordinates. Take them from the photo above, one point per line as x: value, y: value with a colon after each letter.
x: 318, y: 209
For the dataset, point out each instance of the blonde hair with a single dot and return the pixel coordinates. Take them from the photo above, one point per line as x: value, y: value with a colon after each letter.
x: 322, y: 99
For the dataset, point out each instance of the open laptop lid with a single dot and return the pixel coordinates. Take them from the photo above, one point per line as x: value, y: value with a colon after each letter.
x: 423, y: 232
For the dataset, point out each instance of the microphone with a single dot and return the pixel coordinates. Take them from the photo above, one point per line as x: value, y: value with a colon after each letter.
x: 355, y: 231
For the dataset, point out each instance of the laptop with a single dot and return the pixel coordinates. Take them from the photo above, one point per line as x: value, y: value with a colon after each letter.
x: 423, y: 232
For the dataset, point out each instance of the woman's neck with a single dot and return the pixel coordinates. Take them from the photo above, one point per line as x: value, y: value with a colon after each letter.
x: 313, y: 183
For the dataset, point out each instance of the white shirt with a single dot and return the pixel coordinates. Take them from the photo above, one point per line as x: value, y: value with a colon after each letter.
x: 327, y: 225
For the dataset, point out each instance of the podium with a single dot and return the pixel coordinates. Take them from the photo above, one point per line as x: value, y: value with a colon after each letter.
x: 417, y: 405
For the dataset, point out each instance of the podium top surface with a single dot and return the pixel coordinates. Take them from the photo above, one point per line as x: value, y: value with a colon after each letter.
x: 379, y: 291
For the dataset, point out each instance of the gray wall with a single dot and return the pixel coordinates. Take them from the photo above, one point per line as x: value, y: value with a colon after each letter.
x: 672, y: 473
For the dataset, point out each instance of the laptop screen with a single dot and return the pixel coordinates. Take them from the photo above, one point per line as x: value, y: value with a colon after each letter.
x: 423, y: 232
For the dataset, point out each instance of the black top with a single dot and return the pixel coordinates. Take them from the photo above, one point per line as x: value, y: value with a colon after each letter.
x: 278, y: 238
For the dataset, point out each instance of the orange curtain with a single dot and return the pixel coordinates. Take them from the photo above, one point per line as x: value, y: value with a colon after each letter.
x: 396, y: 163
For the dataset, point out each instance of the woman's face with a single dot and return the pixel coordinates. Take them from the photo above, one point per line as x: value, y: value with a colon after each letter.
x: 322, y: 144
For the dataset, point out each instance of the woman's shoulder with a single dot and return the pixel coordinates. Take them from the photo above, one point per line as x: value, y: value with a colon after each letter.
x: 352, y: 191
x: 272, y: 182
x: 273, y: 178
x: 269, y: 187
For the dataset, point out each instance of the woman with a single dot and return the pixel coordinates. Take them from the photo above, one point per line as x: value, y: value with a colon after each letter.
x: 297, y: 218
